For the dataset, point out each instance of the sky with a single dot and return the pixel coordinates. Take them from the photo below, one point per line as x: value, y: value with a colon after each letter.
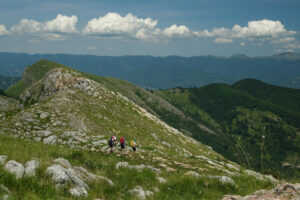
x: 152, y: 27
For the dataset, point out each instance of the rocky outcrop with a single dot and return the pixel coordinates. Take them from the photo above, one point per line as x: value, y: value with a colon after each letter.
x: 5, y: 192
x: 63, y: 174
x: 161, y: 180
x: 137, y: 167
x: 15, y: 168
x: 192, y: 173
x: 282, y: 191
x: 140, y: 192
x: 30, y: 167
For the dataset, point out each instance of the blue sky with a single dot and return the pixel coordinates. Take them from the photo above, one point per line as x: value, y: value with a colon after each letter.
x: 159, y: 28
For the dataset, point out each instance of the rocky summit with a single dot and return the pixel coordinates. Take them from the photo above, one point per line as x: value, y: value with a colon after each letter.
x: 54, y: 145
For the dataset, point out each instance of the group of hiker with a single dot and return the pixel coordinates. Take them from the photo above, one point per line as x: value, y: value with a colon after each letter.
x: 112, y: 142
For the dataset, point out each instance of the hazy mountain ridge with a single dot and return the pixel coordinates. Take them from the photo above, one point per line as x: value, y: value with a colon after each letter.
x: 6, y: 81
x: 171, y: 71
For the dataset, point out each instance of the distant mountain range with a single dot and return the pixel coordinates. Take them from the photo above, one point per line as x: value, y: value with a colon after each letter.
x: 171, y: 71
x: 6, y: 81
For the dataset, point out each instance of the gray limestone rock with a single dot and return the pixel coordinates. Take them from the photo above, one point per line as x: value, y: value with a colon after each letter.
x: 140, y: 192
x: 30, y: 167
x: 50, y: 140
x: 78, y: 192
x: 3, y: 159
x: 63, y: 162
x: 43, y: 133
x: 15, y: 168
x: 59, y: 174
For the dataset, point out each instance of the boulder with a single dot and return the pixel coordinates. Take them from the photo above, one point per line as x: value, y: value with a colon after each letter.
x: 30, y: 167
x: 43, y: 133
x: 15, y: 168
x: 192, y: 173
x: 59, y: 174
x: 63, y: 162
x: 140, y: 193
x: 44, y: 115
x: 3, y: 159
x: 161, y: 180
x: 50, y: 140
x: 121, y: 164
x: 75, y: 178
x: 78, y: 192
x: 222, y: 179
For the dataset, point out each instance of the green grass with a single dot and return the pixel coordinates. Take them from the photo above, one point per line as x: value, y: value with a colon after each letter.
x: 177, y: 186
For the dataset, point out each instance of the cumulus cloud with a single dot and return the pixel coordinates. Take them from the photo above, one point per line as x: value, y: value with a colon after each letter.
x: 176, y: 31
x: 3, y: 30
x: 27, y: 26
x: 62, y: 24
x: 113, y: 24
x: 223, y: 40
x: 260, y: 28
x: 50, y: 30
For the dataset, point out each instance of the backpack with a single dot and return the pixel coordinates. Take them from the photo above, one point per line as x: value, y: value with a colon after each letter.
x: 132, y: 143
x: 122, y: 140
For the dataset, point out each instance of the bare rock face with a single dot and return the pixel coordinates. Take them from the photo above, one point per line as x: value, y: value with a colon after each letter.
x: 15, y: 168
x: 30, y: 167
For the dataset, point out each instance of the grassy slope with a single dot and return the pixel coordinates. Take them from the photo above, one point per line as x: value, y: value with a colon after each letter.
x: 177, y: 187
x: 288, y: 98
x: 233, y: 109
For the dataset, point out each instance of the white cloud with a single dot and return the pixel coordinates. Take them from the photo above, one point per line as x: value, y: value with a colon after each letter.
x: 3, y: 30
x: 263, y: 29
x: 27, y: 26
x: 50, y: 30
x: 242, y: 44
x: 176, y: 31
x: 223, y: 40
x: 112, y: 24
x: 62, y: 24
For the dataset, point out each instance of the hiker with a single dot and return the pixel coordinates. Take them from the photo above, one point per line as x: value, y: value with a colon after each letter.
x: 111, y: 142
x: 132, y: 144
x: 122, y: 142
